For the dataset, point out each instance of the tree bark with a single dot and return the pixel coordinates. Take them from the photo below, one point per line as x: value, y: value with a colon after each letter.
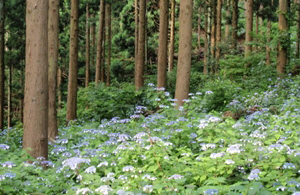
x: 87, y: 47
x: 268, y: 48
x: 9, y: 107
x: 136, y: 29
x: 227, y: 27
x: 53, y: 46
x: 59, y: 78
x: 282, y: 26
x: 108, y: 38
x: 73, y: 64
x: 235, y: 15
x: 199, y: 26
x: 93, y: 37
x: 35, y: 134
x: 139, y: 67
x: 99, y: 44
x: 219, y: 29
x: 184, y: 52
x: 206, y: 47
x: 2, y: 65
x: 214, y: 31
x: 249, y: 28
x: 172, y: 37
x: 298, y: 30
x: 163, y: 44
x: 102, y: 77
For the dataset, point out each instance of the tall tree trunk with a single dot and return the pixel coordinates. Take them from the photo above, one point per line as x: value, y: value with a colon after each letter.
x: 172, y: 36
x: 73, y: 64
x: 99, y: 44
x: 206, y: 47
x: 235, y: 18
x: 255, y: 48
x: 282, y: 26
x: 53, y: 45
x: 139, y: 67
x: 227, y: 27
x: 249, y: 28
x: 93, y: 44
x: 103, y: 50
x: 268, y: 48
x: 59, y: 78
x: 298, y: 30
x: 163, y: 44
x: 9, y: 101
x: 219, y: 29
x: 35, y: 134
x: 184, y: 52
x: 87, y: 47
x: 199, y: 26
x: 214, y: 31
x: 108, y: 19
x: 136, y: 29
x: 2, y: 65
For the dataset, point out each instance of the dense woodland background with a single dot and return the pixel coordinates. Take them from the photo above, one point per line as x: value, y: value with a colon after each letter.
x: 63, y: 63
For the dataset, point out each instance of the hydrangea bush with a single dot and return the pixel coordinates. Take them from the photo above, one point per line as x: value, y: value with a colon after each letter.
x: 184, y: 151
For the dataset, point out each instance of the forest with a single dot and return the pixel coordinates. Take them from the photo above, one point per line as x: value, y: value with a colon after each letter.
x: 149, y: 97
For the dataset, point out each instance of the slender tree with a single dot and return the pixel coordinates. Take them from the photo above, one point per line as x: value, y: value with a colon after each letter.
x: 87, y: 47
x: 35, y: 134
x: 59, y: 81
x: 53, y: 25
x: 108, y: 38
x: 163, y: 44
x: 199, y: 26
x: 219, y: 29
x: 9, y: 100
x: 73, y: 64
x: 93, y: 37
x: 227, y: 27
x: 136, y: 29
x: 298, y: 29
x: 206, y: 38
x: 99, y: 43
x: 172, y: 36
x: 139, y: 66
x: 2, y: 65
x: 102, y: 72
x: 282, y: 26
x: 249, y: 28
x: 184, y: 53
x: 235, y: 17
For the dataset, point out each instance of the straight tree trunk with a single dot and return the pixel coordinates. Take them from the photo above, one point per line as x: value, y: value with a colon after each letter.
x: 87, y: 47
x: 59, y: 78
x: 172, y: 36
x: 219, y: 29
x: 35, y: 134
x: 136, y: 29
x: 249, y: 28
x: 206, y: 47
x: 163, y: 44
x: 235, y: 15
x: 255, y: 48
x: 214, y: 30
x: 73, y: 64
x: 282, y: 26
x: 268, y: 48
x: 227, y: 27
x: 103, y: 50
x: 108, y: 19
x: 199, y: 26
x: 184, y: 52
x: 99, y: 44
x: 93, y: 45
x: 139, y: 67
x: 2, y: 65
x: 298, y: 30
x: 9, y: 107
x: 53, y: 45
